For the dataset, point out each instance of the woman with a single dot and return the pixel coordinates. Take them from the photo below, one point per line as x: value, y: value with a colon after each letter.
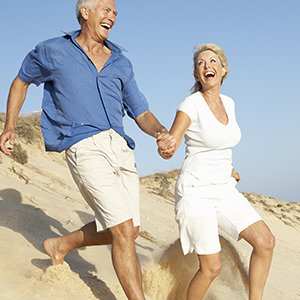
x: 205, y: 193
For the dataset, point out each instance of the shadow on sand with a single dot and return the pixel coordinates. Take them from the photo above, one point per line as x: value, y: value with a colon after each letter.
x: 35, y: 226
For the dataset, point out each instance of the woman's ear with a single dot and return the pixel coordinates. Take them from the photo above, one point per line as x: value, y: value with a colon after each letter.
x: 196, y: 76
x: 224, y: 71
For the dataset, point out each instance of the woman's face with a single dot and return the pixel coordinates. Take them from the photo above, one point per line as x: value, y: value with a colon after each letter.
x: 209, y: 70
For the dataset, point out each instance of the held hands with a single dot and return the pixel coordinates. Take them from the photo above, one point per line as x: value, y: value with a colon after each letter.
x: 166, y: 145
x: 7, y: 135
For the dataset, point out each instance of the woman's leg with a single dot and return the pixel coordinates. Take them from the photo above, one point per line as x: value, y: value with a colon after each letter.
x: 259, y: 236
x: 209, y: 268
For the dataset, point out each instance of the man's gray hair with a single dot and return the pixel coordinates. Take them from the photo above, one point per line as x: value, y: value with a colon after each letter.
x: 90, y: 4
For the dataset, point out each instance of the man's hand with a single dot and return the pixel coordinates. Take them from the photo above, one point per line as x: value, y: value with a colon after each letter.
x: 16, y: 98
x: 166, y: 145
x: 165, y: 141
x: 7, y: 135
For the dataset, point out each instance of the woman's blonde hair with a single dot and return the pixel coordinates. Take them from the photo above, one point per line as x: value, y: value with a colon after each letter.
x: 214, y: 48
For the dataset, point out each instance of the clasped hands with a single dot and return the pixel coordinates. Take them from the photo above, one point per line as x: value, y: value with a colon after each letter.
x: 166, y: 145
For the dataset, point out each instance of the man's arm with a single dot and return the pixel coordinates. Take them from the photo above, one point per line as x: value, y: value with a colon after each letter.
x: 150, y: 125
x: 16, y: 98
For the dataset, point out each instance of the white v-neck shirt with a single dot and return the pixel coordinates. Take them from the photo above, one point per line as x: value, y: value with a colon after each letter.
x: 208, y: 141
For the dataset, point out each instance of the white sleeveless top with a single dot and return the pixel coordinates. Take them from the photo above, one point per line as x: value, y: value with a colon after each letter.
x: 208, y: 142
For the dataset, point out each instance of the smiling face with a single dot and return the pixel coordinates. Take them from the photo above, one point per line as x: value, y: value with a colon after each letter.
x: 209, y: 70
x: 99, y: 21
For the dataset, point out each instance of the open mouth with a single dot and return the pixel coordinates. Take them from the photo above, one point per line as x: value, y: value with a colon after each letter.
x: 106, y: 26
x: 209, y: 74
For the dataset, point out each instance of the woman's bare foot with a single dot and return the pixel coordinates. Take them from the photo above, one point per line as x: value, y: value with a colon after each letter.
x: 52, y: 247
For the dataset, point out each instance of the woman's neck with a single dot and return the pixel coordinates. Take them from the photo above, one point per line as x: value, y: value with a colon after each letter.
x: 211, y: 96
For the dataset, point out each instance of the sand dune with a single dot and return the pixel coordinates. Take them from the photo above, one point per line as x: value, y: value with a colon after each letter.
x: 39, y: 200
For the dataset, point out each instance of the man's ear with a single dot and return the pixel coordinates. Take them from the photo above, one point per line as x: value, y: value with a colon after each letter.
x: 84, y: 12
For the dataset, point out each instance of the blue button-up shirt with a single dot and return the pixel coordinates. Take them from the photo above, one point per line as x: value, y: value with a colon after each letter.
x: 78, y: 100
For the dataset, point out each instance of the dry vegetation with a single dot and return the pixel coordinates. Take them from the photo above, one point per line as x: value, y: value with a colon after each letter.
x: 28, y: 128
x: 161, y: 184
x: 19, y: 155
x: 287, y: 212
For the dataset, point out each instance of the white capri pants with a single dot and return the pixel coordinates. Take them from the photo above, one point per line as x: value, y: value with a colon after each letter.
x: 104, y: 169
x: 201, y: 209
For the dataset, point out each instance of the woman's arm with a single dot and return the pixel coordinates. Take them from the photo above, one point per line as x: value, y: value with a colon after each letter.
x: 180, y: 125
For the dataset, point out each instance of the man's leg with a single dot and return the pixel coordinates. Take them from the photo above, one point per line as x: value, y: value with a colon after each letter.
x: 124, y: 257
x: 259, y: 236
x: 125, y: 260
x: 57, y: 248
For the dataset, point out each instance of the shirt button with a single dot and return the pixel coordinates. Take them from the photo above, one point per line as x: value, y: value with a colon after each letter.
x: 123, y: 76
x: 82, y: 123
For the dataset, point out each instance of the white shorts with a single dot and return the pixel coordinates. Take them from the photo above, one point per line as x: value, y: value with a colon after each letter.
x: 201, y: 209
x: 104, y: 170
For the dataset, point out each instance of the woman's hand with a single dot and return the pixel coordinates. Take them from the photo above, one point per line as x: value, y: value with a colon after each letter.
x: 235, y: 175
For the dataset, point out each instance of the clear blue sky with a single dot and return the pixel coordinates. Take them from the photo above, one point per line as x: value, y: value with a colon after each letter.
x: 262, y: 43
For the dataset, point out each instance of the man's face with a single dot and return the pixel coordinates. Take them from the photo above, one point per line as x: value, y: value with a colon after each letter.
x: 101, y: 20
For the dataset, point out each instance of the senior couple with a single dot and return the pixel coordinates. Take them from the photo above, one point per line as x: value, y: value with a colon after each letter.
x: 88, y: 83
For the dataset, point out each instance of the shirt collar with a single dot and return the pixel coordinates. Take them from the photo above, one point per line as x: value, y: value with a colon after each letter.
x: 111, y: 46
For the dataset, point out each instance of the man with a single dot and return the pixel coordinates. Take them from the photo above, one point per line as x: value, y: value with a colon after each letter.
x: 88, y: 84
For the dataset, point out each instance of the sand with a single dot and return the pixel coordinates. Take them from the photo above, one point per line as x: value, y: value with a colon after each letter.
x: 39, y: 200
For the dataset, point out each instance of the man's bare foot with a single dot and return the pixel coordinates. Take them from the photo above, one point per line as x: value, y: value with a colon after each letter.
x: 52, y: 248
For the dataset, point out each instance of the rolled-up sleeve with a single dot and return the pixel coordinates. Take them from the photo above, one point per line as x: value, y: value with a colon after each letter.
x: 134, y: 100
